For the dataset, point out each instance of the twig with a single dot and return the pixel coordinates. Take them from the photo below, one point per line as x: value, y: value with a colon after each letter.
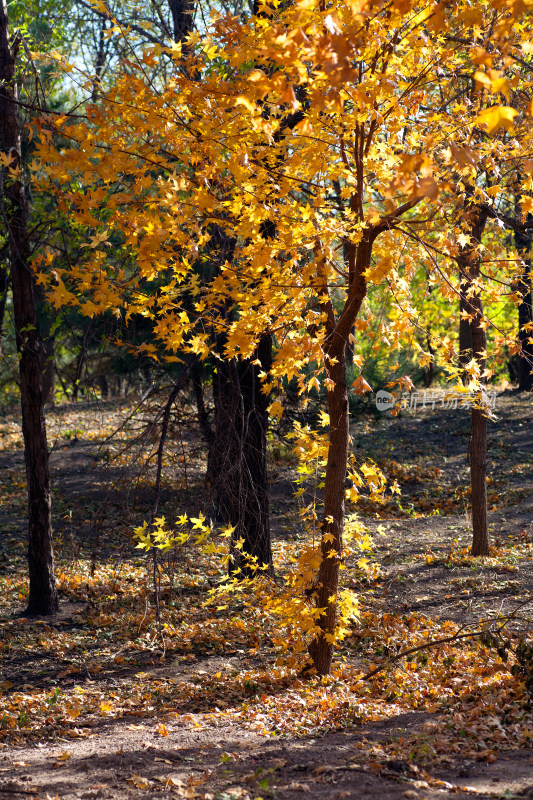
x: 425, y: 646
x: 428, y: 645
x: 164, y: 429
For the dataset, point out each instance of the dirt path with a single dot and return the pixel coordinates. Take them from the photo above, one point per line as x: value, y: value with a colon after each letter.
x: 124, y: 760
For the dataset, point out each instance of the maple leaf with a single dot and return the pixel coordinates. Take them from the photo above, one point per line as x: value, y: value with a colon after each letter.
x: 97, y: 239
x: 464, y: 239
x: 497, y: 117
x: 360, y: 385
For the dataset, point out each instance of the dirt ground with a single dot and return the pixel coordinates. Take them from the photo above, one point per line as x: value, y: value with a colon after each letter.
x: 422, y: 568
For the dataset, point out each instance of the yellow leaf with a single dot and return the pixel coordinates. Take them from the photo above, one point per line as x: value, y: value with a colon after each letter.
x: 482, y: 79
x: 497, y: 117
x: 360, y: 386
x: 324, y: 419
x: 6, y: 160
x: 501, y: 85
x: 276, y: 409
x: 97, y: 239
x: 245, y: 101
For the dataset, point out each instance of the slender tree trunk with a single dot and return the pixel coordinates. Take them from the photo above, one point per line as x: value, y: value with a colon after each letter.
x: 321, y: 649
x: 80, y: 363
x: 182, y: 17
x: 429, y: 371
x: 469, y: 262
x: 48, y: 348
x: 478, y: 446
x: 327, y: 582
x: 4, y: 285
x: 43, y: 595
x: 100, y: 60
x: 523, y: 243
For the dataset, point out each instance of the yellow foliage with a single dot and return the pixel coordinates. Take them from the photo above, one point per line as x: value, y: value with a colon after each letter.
x: 352, y: 134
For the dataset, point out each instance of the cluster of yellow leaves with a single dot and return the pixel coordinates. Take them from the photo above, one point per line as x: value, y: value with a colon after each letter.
x: 159, y: 536
x: 288, y: 607
x: 149, y: 176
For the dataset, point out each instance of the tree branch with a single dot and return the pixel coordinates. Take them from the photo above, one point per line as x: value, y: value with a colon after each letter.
x: 436, y: 642
x: 134, y: 27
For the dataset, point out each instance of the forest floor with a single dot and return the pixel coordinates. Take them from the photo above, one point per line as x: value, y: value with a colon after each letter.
x: 95, y: 704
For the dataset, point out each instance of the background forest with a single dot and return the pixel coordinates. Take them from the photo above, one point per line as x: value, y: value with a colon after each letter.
x: 266, y: 360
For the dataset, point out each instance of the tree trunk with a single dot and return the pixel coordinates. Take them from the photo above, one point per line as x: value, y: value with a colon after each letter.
x: 237, y: 462
x: 478, y: 446
x: 469, y: 263
x: 43, y: 595
x: 182, y: 17
x: 327, y: 584
x: 523, y: 242
x: 338, y: 331
x: 429, y: 371
x: 4, y: 285
x: 237, y: 469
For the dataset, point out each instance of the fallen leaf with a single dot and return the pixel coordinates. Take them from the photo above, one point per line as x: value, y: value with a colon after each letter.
x: 140, y: 782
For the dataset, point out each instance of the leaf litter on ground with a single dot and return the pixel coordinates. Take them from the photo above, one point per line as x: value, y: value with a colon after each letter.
x: 62, y: 677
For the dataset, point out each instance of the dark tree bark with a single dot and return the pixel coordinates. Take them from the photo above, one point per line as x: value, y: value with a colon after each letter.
x: 182, y: 17
x: 4, y: 286
x: 321, y: 649
x: 237, y: 469
x: 43, y: 595
x: 478, y: 446
x: 201, y: 410
x: 523, y: 243
x: 469, y: 264
x: 237, y: 460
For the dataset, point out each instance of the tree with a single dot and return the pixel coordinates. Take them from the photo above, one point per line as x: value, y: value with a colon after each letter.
x: 43, y: 595
x: 369, y: 148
